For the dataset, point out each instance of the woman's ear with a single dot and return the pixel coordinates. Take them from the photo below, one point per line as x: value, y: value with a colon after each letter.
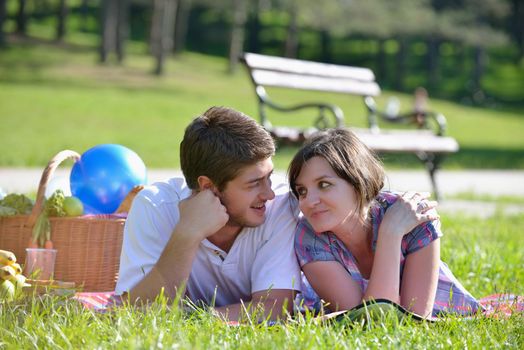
x: 205, y: 183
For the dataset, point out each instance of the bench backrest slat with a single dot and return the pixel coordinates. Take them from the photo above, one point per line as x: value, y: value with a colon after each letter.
x: 289, y: 65
x: 310, y: 82
x: 307, y: 75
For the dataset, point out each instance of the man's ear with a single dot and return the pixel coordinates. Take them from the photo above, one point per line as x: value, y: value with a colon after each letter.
x: 205, y: 183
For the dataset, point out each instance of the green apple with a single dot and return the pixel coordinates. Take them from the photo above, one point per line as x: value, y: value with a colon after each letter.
x: 73, y: 206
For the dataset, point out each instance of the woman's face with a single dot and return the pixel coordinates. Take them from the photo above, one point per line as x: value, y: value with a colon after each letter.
x: 327, y: 201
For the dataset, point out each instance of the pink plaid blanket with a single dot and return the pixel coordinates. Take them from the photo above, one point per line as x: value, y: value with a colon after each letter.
x: 496, y: 305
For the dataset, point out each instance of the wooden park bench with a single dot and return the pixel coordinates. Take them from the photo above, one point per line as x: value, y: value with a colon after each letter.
x: 426, y: 140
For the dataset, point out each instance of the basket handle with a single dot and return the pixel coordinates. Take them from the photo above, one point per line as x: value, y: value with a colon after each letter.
x: 44, y: 180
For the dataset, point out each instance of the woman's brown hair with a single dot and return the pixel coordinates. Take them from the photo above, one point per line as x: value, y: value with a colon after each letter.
x: 348, y: 156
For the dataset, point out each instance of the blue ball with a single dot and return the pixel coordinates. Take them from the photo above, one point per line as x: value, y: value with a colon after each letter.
x: 104, y: 175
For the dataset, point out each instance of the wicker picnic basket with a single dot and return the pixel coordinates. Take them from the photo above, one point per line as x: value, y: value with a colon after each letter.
x: 88, y: 246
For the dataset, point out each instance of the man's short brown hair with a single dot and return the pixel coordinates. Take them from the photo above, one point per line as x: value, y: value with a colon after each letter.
x: 219, y: 143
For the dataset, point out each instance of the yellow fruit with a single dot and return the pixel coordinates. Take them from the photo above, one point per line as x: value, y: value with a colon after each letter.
x: 7, y: 273
x: 7, y: 291
x: 20, y: 281
x: 17, y: 268
x: 7, y: 258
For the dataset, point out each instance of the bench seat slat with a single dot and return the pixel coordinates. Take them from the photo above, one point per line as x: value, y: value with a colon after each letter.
x: 406, y: 141
x: 295, y: 81
x: 256, y: 61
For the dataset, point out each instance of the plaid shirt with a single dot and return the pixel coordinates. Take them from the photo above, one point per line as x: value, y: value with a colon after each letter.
x: 451, y: 296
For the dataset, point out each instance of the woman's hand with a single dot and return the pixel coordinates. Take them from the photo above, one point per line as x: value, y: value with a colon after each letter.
x: 410, y: 210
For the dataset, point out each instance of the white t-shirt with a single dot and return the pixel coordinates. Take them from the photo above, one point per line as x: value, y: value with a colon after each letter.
x: 261, y: 258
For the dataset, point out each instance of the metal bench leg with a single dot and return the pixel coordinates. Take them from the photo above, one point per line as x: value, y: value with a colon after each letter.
x: 432, y: 173
x: 432, y: 163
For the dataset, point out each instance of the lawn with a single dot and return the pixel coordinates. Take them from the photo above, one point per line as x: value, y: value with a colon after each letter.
x: 486, y: 256
x: 56, y: 97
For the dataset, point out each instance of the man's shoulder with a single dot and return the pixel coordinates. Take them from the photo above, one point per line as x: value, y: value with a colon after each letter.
x: 284, y: 203
x: 170, y: 190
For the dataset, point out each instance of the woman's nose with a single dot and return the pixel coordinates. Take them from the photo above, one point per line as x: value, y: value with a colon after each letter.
x: 311, y: 199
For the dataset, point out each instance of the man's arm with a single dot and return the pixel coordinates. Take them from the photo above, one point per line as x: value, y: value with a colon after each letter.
x: 267, y: 304
x: 172, y: 269
x: 170, y: 272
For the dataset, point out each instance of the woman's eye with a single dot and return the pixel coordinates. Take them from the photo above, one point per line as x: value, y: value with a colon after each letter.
x: 323, y: 184
x: 301, y: 191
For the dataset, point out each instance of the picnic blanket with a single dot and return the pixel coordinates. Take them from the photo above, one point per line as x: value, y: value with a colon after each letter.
x: 495, y: 305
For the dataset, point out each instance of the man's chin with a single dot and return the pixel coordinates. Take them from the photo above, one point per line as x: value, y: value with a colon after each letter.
x: 246, y: 222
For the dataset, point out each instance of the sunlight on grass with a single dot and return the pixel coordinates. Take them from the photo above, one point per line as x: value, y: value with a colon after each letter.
x: 57, y: 96
x: 485, y: 255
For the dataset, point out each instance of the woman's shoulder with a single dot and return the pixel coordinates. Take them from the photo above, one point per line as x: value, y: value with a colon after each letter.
x: 385, y: 199
x: 304, y: 233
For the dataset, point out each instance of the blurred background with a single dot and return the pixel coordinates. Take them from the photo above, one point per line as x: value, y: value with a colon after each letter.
x: 76, y: 73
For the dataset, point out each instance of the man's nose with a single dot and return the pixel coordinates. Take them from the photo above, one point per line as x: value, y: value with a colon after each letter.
x: 268, y: 193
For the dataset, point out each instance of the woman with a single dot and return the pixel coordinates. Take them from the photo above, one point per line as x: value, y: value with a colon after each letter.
x: 357, y: 243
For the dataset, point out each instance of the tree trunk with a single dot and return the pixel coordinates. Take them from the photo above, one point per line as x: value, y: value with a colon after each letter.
x: 291, y: 48
x: 181, y: 25
x: 401, y: 64
x: 433, y: 62
x: 381, y: 61
x: 61, y: 23
x: 109, y: 25
x: 122, y: 29
x: 478, y: 70
x: 3, y: 15
x: 255, y: 26
x: 84, y: 13
x: 517, y: 26
x: 162, y: 31
x: 114, y: 28
x: 21, y: 18
x: 237, y: 34
x: 325, y: 47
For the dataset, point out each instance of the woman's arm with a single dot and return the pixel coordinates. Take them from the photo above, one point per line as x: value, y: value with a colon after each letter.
x: 333, y: 284
x: 402, y: 217
x: 420, y: 279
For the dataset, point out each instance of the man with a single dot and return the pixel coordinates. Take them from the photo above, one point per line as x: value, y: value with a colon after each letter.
x: 223, y: 234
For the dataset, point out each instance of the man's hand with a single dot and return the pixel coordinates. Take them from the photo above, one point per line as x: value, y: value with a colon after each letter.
x: 201, y: 215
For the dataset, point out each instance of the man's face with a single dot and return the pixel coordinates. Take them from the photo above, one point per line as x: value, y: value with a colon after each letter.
x: 246, y: 195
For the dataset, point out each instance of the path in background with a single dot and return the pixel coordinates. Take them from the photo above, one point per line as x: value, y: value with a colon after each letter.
x: 478, y: 182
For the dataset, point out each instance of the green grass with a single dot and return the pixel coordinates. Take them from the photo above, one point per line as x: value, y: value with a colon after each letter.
x: 500, y: 200
x: 485, y: 255
x: 56, y: 96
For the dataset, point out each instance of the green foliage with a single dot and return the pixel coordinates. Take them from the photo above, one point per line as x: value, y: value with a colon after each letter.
x: 54, y: 205
x: 15, y: 204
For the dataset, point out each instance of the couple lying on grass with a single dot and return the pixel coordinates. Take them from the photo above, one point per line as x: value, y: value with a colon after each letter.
x: 225, y: 236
